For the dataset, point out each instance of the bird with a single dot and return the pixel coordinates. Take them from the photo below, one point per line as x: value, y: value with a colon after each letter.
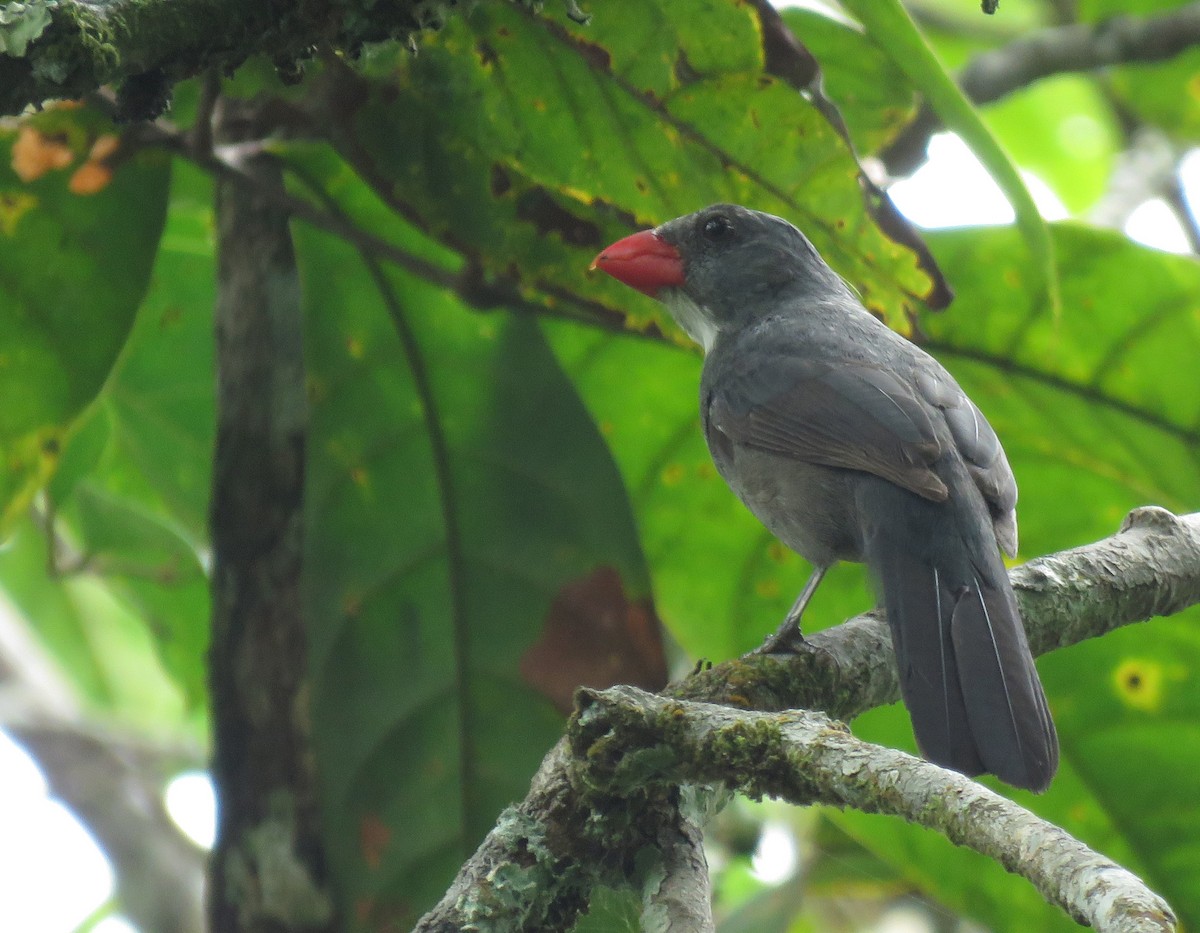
x: 851, y: 443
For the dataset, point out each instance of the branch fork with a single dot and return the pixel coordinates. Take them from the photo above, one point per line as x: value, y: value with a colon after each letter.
x: 638, y: 769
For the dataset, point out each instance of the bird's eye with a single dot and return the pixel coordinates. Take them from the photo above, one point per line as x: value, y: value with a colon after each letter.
x: 717, y: 227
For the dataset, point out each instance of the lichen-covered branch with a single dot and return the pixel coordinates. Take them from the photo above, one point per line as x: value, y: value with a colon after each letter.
x: 681, y: 899
x: 1150, y: 567
x: 67, y: 48
x: 111, y: 782
x: 803, y: 757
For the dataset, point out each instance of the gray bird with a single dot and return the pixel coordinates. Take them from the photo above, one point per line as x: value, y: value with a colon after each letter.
x: 851, y: 443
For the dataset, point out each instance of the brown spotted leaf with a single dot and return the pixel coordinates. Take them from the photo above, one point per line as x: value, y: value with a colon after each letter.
x: 595, y: 636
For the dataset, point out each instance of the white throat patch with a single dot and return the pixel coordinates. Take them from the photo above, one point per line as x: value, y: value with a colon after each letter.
x: 696, y: 320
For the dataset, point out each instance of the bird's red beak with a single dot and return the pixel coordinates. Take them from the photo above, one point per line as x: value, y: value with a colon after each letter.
x: 643, y: 261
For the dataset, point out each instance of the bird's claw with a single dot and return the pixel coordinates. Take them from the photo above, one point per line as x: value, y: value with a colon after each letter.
x: 789, y: 640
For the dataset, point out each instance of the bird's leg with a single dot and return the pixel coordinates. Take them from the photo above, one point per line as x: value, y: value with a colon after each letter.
x: 788, y: 637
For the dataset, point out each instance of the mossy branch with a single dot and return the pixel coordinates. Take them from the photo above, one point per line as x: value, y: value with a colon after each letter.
x: 611, y: 793
x: 52, y: 49
x: 806, y: 758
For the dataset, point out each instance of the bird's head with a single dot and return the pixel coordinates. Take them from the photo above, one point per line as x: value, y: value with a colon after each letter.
x: 722, y: 266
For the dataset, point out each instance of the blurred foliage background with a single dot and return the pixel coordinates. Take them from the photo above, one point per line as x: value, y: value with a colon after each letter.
x: 506, y: 477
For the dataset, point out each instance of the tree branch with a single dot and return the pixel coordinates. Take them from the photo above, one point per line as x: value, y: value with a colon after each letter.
x: 682, y: 902
x: 71, y: 48
x: 1143, y: 170
x: 1177, y: 199
x: 1056, y: 50
x: 571, y: 830
x: 111, y: 782
x: 807, y: 758
x: 1150, y: 567
x: 268, y: 870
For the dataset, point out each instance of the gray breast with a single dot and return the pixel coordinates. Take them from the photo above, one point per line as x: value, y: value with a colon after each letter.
x: 809, y: 508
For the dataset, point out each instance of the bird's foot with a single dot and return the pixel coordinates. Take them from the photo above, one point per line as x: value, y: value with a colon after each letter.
x: 788, y: 639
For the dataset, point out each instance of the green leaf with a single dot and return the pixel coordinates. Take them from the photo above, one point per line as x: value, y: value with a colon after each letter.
x: 53, y: 615
x: 70, y: 264
x: 654, y: 125
x: 872, y: 93
x: 456, y: 487
x: 1096, y: 405
x: 134, y: 557
x: 160, y: 399
x: 105, y: 650
x: 1135, y: 743
x: 145, y: 564
x: 132, y: 491
x: 891, y: 26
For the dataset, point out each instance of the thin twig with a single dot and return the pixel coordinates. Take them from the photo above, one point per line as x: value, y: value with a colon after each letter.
x: 1181, y: 207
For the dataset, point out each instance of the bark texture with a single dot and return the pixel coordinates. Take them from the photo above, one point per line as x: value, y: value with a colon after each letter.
x: 268, y: 868
x: 69, y: 48
x: 806, y: 758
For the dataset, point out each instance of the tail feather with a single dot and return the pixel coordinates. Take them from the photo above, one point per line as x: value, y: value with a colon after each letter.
x: 928, y: 668
x: 966, y: 673
x: 1004, y: 703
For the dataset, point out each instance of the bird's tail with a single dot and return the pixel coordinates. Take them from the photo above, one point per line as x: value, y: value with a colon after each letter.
x: 966, y: 673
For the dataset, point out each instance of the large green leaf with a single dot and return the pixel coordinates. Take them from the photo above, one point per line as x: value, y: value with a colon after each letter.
x: 71, y: 264
x: 129, y: 498
x: 161, y: 397
x: 53, y: 614
x: 872, y: 93
x: 139, y: 558
x: 1102, y: 395
x: 1134, y: 741
x: 654, y: 121
x: 107, y: 653
x: 458, y: 490
x: 131, y: 494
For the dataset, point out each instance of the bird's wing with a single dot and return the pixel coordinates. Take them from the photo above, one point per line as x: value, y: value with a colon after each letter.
x: 846, y: 414
x: 980, y: 449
